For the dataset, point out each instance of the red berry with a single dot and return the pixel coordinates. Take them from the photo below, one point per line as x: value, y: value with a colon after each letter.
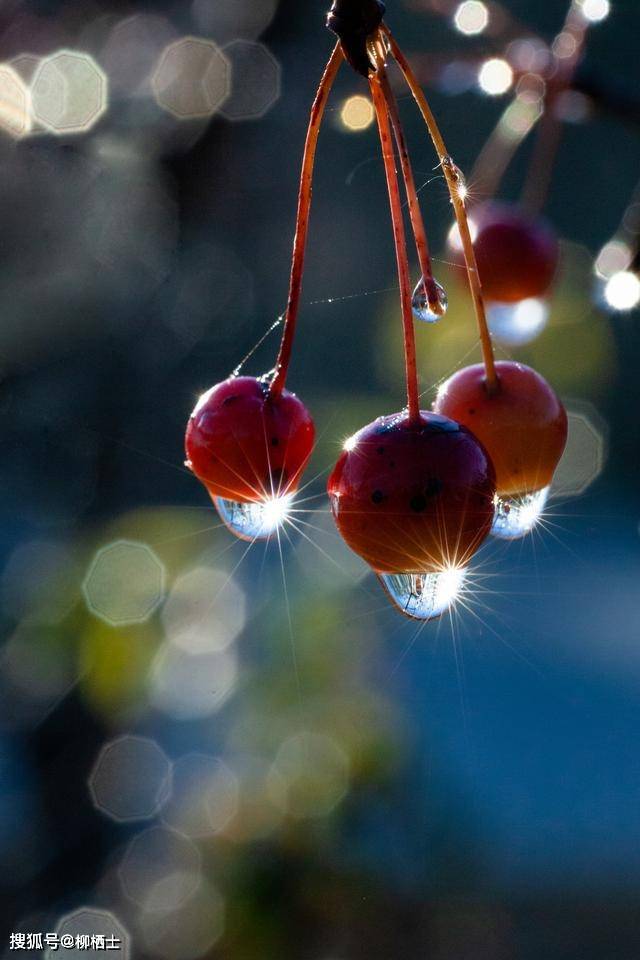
x: 523, y: 425
x: 517, y: 256
x: 246, y: 445
x: 413, y: 497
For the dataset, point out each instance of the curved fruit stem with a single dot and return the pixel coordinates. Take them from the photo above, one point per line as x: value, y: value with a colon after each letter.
x: 546, y: 147
x: 386, y: 142
x: 415, y: 214
x: 302, y: 221
x: 454, y: 183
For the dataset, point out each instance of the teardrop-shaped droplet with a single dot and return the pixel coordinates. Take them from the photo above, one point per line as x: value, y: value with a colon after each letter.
x: 254, y: 521
x: 515, y: 324
x: 516, y: 516
x: 423, y: 596
x: 429, y: 302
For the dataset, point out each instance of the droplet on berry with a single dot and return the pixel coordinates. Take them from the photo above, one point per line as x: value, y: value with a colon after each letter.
x: 254, y: 521
x: 249, y: 448
x: 429, y: 302
x: 413, y: 498
x: 523, y: 425
x: 516, y: 516
x: 516, y: 324
x: 423, y: 596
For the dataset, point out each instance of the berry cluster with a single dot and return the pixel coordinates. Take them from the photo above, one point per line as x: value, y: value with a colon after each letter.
x: 415, y: 493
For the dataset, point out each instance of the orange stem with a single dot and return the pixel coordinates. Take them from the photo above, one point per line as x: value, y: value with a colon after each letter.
x: 386, y: 142
x: 415, y: 214
x: 454, y: 181
x: 302, y: 221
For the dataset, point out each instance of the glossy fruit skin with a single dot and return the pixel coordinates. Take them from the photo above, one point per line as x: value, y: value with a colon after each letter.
x: 523, y: 425
x: 244, y: 444
x: 517, y: 256
x: 413, y: 498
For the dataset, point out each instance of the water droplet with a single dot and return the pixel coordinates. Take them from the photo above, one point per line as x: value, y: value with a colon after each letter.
x: 423, y: 596
x: 257, y: 520
x: 516, y: 516
x: 429, y: 301
x: 515, y: 324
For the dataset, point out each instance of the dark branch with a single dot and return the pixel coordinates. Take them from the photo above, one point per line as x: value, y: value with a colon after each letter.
x: 353, y: 21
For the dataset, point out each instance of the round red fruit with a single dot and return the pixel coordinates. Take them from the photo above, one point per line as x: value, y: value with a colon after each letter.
x: 523, y: 424
x: 413, y: 497
x: 246, y: 445
x: 517, y: 256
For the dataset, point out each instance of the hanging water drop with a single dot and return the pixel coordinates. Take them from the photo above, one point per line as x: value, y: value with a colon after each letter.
x: 517, y: 515
x: 429, y: 301
x: 516, y: 324
x: 255, y: 520
x: 423, y: 596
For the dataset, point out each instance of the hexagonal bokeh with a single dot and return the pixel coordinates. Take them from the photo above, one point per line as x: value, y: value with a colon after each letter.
x: 132, y: 49
x: 205, y: 610
x: 69, y: 92
x: 131, y: 779
x: 160, y: 870
x: 309, y: 776
x: 204, y: 797
x: 190, y: 686
x: 89, y: 931
x: 15, y: 103
x: 192, y: 78
x: 125, y: 583
x: 255, y: 80
x: 188, y: 932
x: 586, y: 451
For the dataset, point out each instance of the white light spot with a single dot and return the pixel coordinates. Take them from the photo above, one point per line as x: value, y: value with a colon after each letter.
x: 516, y: 324
x: 350, y: 443
x: 495, y: 77
x: 454, y: 240
x: 622, y: 291
x: 594, y: 10
x: 471, y: 17
x: 357, y: 113
x: 15, y: 103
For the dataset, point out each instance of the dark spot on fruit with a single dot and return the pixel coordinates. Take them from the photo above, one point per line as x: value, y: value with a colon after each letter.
x: 377, y: 496
x: 274, y: 441
x: 380, y: 449
x: 228, y: 400
x: 392, y: 463
x: 472, y: 410
x: 418, y: 503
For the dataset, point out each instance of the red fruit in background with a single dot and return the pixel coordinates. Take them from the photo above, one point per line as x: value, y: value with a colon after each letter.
x: 413, y: 497
x: 523, y: 425
x: 517, y: 256
x: 246, y: 445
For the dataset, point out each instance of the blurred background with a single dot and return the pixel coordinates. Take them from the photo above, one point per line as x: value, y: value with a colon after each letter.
x: 214, y: 751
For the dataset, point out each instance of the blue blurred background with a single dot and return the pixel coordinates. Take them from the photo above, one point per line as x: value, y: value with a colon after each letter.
x: 210, y: 750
